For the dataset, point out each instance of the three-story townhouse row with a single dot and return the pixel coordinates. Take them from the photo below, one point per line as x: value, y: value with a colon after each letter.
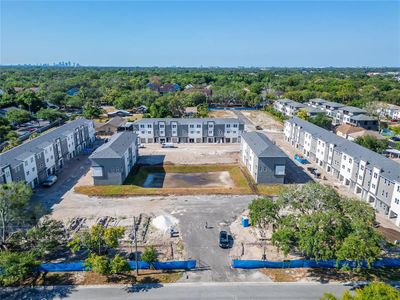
x: 196, y: 130
x: 369, y: 175
x: 40, y: 157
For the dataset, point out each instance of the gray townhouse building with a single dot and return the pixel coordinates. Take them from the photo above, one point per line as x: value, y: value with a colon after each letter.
x: 45, y: 155
x: 263, y: 159
x: 112, y: 161
x: 369, y: 175
x: 190, y: 130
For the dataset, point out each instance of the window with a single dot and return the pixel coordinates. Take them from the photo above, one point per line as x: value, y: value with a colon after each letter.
x: 191, y: 126
x: 141, y: 126
x: 373, y: 186
x: 344, y: 157
x: 27, y: 172
x: 279, y: 170
x: 228, y: 125
x: 396, y: 200
x: 143, y: 132
x: 161, y: 125
x: 235, y: 125
x: 192, y: 132
x: 359, y: 177
x: 342, y: 166
x: 350, y: 160
x: 228, y: 131
x: 348, y: 170
x: 210, y: 132
x: 234, y: 131
x: 149, y: 126
x: 149, y: 132
x: 362, y: 168
x: 375, y: 175
x: 198, y: 126
x: 174, y: 126
x: 26, y: 163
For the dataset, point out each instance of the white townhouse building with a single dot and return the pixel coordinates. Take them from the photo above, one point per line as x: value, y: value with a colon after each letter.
x: 369, y: 175
x: 188, y: 130
x: 40, y: 157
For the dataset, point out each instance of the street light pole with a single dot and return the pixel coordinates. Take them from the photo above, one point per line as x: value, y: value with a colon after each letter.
x: 136, y: 251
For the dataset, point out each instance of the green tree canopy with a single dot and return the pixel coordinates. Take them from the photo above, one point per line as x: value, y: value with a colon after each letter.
x: 50, y: 114
x: 18, y: 116
x: 373, y: 291
x: 372, y: 143
x: 97, y: 240
x: 14, y: 208
x: 16, y: 266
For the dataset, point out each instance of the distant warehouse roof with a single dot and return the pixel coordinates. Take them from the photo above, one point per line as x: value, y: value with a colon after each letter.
x: 261, y: 145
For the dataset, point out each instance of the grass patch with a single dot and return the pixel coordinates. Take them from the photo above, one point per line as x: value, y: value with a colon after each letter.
x: 134, y: 183
x: 271, y: 189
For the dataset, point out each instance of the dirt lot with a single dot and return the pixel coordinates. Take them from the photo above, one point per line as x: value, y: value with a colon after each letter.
x: 196, y: 154
x: 260, y: 118
x: 221, y: 114
x: 177, y: 180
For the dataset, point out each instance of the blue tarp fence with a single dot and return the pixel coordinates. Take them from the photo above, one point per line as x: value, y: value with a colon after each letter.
x: 79, y: 266
x: 256, y: 264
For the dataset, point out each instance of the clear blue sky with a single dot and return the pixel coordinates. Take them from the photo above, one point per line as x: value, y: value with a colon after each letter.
x: 208, y: 33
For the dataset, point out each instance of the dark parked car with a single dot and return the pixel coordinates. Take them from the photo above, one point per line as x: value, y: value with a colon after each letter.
x: 314, y: 171
x: 223, y: 239
x: 258, y: 127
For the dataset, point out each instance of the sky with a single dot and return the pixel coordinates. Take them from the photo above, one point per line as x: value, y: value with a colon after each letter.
x: 207, y: 33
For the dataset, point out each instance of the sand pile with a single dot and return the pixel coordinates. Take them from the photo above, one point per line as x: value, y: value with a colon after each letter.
x: 164, y: 222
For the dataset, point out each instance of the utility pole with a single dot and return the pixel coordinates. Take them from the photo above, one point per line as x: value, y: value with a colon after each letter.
x: 136, y: 251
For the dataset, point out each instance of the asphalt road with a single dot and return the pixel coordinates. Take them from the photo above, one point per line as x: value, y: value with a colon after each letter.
x: 298, y: 291
x: 202, y: 243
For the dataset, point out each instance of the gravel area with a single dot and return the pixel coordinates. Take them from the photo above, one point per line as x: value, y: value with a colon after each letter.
x: 191, y: 154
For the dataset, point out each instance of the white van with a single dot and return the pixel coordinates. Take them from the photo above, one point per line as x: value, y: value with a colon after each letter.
x: 167, y: 145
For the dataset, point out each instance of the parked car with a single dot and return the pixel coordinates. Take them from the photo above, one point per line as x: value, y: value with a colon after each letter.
x: 141, y: 146
x: 300, y: 159
x: 223, y: 239
x: 258, y: 127
x: 167, y: 145
x: 52, y: 179
x: 314, y: 171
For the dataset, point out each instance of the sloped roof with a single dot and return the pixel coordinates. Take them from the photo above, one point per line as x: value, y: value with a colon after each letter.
x: 116, y: 146
x: 347, y: 129
x: 389, y: 168
x: 13, y: 156
x: 261, y: 145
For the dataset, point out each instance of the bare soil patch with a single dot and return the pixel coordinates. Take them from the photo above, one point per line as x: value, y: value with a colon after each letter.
x: 221, y: 114
x: 177, y: 180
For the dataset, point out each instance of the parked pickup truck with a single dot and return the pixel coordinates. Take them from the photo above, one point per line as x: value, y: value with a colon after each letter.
x: 314, y: 171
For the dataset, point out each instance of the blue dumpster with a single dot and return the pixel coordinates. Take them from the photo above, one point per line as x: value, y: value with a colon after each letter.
x: 245, y: 221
